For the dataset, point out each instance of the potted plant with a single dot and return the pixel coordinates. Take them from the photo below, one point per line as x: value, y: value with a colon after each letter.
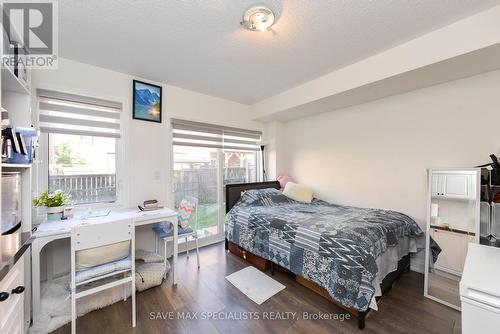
x: 54, y: 202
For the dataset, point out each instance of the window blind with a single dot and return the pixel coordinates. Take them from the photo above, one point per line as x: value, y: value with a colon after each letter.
x: 188, y: 133
x: 78, y: 115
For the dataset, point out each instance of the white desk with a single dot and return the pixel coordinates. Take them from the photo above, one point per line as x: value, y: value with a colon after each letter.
x: 49, y: 231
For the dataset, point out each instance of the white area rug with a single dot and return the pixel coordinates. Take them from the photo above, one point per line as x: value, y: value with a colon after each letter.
x: 255, y: 284
x: 56, y: 304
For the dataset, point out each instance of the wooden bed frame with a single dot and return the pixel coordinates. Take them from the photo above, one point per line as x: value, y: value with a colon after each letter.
x: 233, y: 193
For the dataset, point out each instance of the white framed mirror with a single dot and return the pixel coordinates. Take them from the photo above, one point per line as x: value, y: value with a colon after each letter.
x: 453, y: 221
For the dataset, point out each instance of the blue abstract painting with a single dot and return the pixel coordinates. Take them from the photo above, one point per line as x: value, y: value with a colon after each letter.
x: 147, y: 102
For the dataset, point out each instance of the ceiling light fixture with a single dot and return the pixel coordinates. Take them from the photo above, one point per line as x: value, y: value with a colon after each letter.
x: 258, y: 18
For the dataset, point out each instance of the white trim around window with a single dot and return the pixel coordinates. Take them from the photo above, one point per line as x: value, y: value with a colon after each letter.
x: 40, y: 173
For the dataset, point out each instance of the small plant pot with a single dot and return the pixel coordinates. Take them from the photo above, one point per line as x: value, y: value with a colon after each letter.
x: 55, y: 213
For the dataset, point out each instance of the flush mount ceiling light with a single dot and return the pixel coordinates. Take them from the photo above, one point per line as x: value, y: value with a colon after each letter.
x: 258, y: 18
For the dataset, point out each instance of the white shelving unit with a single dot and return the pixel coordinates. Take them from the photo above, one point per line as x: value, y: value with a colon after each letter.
x: 11, y: 83
x: 16, y: 166
x: 16, y: 99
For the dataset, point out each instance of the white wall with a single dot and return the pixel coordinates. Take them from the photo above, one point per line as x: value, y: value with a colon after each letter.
x: 274, y: 150
x: 147, y: 146
x: 376, y: 154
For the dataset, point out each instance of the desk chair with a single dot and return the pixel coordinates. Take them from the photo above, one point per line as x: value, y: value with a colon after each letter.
x: 98, y: 242
x: 188, y: 214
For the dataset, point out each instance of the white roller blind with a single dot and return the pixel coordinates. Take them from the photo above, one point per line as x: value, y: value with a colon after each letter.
x: 188, y: 133
x: 78, y: 115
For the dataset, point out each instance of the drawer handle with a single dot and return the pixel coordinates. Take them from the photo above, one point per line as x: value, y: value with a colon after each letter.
x: 3, y: 296
x: 19, y: 289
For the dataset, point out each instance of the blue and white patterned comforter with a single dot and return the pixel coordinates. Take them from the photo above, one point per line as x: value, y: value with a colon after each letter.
x: 332, y: 245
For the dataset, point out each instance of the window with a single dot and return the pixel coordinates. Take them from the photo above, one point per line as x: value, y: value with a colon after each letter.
x: 207, y: 157
x: 83, y: 166
x: 81, y: 136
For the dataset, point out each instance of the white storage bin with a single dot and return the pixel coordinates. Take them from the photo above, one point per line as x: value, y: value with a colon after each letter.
x: 485, y: 222
x: 495, y: 224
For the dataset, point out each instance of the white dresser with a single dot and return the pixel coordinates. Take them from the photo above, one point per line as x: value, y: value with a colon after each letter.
x: 480, y: 290
x: 15, y: 294
x: 12, y: 308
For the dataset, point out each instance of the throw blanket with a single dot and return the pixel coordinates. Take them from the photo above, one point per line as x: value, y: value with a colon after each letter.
x: 332, y: 245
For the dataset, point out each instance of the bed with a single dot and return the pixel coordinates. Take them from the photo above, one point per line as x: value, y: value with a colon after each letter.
x: 354, y: 254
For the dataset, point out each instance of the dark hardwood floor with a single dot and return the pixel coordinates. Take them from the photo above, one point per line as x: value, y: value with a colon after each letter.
x: 403, y: 310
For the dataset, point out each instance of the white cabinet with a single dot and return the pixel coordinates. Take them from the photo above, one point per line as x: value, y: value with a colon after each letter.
x: 15, y: 323
x: 458, y: 185
x: 12, y: 305
x: 436, y: 185
x: 453, y: 250
x: 480, y: 291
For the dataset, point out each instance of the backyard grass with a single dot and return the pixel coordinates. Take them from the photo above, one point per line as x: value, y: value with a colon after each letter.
x: 207, y: 215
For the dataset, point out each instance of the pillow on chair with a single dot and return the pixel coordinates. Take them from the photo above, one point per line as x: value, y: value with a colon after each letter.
x: 298, y: 192
x: 89, y: 258
x: 103, y: 269
x: 186, y: 209
x: 167, y: 227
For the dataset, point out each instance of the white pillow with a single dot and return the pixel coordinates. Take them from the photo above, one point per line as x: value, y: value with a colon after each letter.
x: 148, y: 257
x: 149, y: 275
x: 298, y: 192
x: 89, y: 258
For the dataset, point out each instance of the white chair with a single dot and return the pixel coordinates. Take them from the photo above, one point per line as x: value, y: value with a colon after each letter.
x: 167, y: 235
x: 101, y: 238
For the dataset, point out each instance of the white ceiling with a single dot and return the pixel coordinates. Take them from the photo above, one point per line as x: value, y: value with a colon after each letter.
x: 199, y: 44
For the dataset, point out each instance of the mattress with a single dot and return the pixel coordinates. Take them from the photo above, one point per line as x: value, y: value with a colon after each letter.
x: 346, y: 250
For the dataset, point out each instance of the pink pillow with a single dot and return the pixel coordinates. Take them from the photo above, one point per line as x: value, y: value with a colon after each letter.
x: 283, y: 180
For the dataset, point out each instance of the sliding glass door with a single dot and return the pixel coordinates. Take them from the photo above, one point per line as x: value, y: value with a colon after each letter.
x: 206, y: 157
x: 196, y: 171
